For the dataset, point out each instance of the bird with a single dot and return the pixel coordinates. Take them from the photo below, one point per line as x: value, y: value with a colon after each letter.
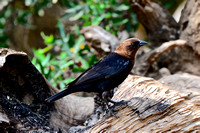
x: 107, y: 73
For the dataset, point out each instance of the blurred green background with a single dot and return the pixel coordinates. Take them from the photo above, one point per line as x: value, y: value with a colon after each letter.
x: 49, y: 31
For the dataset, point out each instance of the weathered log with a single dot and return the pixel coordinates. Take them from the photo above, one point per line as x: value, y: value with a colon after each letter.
x: 154, y: 107
x: 101, y: 40
x: 157, y: 21
x: 23, y: 90
x: 186, y: 59
x: 160, y: 27
x: 189, y: 22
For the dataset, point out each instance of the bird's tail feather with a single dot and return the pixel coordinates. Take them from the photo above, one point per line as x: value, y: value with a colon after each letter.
x: 61, y: 94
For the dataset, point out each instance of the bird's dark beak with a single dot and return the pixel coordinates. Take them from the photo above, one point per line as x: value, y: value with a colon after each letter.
x: 142, y: 43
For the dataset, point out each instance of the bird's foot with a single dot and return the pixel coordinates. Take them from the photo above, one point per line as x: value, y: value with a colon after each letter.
x: 113, y: 110
x: 122, y: 102
x: 118, y: 105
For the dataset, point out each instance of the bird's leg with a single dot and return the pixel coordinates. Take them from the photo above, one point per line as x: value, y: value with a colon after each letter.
x: 106, y: 98
x: 109, y: 94
x: 98, y: 100
x: 116, y: 105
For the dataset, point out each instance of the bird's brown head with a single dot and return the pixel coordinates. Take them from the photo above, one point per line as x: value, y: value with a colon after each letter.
x: 129, y: 47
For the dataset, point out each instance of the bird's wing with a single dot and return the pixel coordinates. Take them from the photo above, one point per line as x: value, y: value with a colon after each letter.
x: 108, y: 67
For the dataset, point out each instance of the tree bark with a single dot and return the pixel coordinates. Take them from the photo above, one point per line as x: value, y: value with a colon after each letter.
x: 157, y: 21
x: 160, y: 27
x: 101, y: 40
x: 154, y: 107
x: 189, y: 22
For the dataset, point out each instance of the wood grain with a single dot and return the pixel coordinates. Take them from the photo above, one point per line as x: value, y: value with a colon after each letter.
x: 153, y: 107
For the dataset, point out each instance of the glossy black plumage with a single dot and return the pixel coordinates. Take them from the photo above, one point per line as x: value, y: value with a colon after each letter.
x: 102, y: 76
x: 106, y: 74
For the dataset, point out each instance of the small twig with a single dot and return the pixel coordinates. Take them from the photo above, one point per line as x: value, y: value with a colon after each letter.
x: 155, y: 54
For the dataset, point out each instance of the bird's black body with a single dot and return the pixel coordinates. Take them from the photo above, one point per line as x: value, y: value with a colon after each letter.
x: 105, y: 75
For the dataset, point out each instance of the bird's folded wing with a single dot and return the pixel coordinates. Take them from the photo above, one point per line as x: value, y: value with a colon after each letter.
x: 104, y: 69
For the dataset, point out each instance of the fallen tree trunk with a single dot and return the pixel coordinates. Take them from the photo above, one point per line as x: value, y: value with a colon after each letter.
x: 154, y: 107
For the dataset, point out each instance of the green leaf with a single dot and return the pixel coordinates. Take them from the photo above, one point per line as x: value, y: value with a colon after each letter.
x: 48, y: 74
x: 64, y: 37
x: 8, y: 13
x: 115, y: 15
x: 122, y: 8
x: 77, y: 16
x: 47, y: 49
x: 92, y: 60
x: 63, y: 55
x: 57, y: 75
x: 108, y: 15
x: 33, y: 61
x: 78, y: 69
x: 77, y: 30
x: 47, y: 39
x: 79, y: 41
x: 74, y: 9
x: 60, y: 26
x: 85, y: 65
x: 39, y: 54
x: 67, y: 64
x: 46, y: 60
x: 97, y: 20
x: 41, y: 67
x: 62, y: 85
x: 66, y: 81
x: 66, y: 16
x: 120, y: 21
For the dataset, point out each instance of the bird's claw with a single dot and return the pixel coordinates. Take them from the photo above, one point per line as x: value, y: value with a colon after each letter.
x: 113, y: 111
x: 110, y: 112
x: 119, y: 105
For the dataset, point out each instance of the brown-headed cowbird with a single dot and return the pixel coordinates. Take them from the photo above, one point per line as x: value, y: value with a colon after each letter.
x: 106, y: 74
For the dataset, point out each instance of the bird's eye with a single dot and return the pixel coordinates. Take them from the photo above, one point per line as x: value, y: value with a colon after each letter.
x: 135, y: 44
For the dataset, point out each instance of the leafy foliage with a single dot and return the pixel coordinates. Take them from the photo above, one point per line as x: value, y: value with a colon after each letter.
x: 3, y: 37
x: 77, y: 57
x: 68, y: 51
x: 74, y: 54
x: 112, y: 15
